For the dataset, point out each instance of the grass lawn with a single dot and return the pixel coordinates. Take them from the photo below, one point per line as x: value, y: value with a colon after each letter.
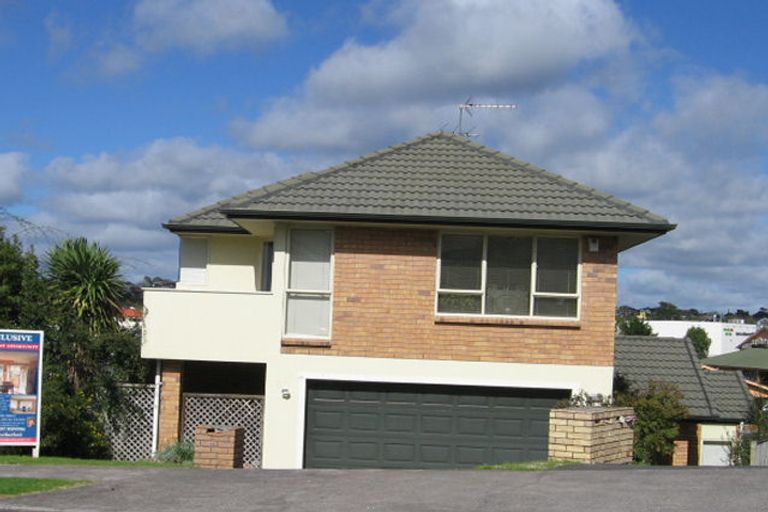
x: 536, y: 465
x: 12, y: 486
x: 27, y: 459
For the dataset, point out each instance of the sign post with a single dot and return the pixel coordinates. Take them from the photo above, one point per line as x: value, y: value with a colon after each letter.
x: 21, y: 377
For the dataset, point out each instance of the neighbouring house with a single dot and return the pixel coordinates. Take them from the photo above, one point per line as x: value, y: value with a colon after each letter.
x: 717, y: 401
x: 752, y: 361
x: 130, y: 317
x: 758, y: 339
x: 424, y: 306
x: 725, y: 336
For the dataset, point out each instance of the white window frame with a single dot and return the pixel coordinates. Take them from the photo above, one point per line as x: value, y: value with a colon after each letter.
x: 533, y: 294
x: 315, y: 293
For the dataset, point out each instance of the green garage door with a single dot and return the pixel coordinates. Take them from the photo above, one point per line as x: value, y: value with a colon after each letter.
x: 384, y: 425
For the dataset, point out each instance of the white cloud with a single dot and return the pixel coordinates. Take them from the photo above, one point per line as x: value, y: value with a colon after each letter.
x: 13, y: 166
x: 201, y: 26
x: 443, y: 52
x: 207, y: 26
x: 59, y: 34
x: 121, y: 199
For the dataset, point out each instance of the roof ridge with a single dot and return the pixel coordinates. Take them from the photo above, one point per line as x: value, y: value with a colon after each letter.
x: 713, y: 409
x: 626, y: 205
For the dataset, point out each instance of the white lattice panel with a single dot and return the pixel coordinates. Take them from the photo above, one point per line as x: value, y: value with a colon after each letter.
x: 130, y: 428
x: 227, y: 410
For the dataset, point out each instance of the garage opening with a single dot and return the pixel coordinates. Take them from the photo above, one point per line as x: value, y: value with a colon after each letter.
x: 225, y: 394
x: 387, y: 425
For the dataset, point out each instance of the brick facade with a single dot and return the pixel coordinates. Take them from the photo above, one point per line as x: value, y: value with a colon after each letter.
x: 384, y: 300
x: 591, y: 435
x: 170, y: 403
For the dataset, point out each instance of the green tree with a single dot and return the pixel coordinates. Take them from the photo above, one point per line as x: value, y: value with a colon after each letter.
x: 634, y: 326
x: 700, y: 340
x: 12, y: 263
x: 666, y: 311
x: 658, y: 410
x: 87, y: 279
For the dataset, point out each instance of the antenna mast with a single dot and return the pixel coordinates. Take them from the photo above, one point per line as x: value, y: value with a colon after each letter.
x: 468, y: 106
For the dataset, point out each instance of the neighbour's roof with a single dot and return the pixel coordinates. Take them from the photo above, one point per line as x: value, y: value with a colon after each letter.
x: 759, y: 338
x: 712, y: 395
x: 440, y: 178
x: 753, y: 358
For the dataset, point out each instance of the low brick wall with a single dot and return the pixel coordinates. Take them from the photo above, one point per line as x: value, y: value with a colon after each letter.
x: 592, y: 435
x: 219, y: 447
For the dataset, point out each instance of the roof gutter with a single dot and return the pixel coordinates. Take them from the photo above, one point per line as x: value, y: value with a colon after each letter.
x: 658, y: 229
x: 186, y: 228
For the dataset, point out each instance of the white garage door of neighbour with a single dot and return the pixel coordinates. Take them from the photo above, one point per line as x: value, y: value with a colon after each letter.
x: 715, y: 453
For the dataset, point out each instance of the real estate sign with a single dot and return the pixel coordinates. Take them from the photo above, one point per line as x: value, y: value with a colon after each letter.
x: 21, y: 370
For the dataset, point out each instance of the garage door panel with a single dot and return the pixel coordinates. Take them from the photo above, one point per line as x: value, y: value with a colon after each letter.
x: 508, y: 427
x: 364, y: 421
x: 400, y: 422
x: 353, y: 424
x: 432, y: 424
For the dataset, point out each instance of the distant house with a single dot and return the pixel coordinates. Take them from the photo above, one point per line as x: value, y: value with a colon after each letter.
x: 753, y: 363
x: 725, y: 336
x: 717, y: 401
x: 130, y: 317
x: 758, y: 339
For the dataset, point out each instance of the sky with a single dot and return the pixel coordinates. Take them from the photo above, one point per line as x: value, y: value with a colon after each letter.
x: 116, y: 116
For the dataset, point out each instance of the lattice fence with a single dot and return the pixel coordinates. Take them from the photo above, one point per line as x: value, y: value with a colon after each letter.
x: 130, y: 429
x: 227, y: 410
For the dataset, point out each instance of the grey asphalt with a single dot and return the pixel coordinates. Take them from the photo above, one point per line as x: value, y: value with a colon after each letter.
x: 572, y: 490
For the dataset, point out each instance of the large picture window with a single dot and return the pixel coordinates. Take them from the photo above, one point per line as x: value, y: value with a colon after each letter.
x: 509, y: 275
x: 308, y: 308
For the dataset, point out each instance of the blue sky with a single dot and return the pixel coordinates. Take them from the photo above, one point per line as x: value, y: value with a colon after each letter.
x: 119, y: 115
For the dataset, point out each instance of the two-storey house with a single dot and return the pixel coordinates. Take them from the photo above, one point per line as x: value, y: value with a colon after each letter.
x: 422, y: 306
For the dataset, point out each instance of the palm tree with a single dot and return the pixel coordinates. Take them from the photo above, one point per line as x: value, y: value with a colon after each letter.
x: 87, y: 279
x: 86, y: 285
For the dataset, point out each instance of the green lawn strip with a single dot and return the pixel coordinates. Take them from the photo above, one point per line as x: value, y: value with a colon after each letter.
x: 536, y: 465
x: 63, y: 461
x: 13, y: 486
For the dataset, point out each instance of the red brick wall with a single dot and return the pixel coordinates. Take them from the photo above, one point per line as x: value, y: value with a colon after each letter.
x: 384, y: 300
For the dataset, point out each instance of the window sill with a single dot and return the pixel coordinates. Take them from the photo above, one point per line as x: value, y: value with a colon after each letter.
x: 564, y: 323
x: 306, y: 342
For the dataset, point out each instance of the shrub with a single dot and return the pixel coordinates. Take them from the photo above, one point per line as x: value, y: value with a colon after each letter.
x: 182, y: 452
x: 700, y: 340
x: 658, y: 410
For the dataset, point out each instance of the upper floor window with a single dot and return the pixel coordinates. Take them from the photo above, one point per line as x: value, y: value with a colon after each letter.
x: 308, y: 308
x: 193, y: 261
x: 509, y: 275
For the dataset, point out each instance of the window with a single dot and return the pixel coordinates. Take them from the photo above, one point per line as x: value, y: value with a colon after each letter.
x: 308, y: 308
x: 193, y: 261
x: 509, y: 275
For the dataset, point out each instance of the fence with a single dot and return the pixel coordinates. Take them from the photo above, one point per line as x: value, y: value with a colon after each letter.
x: 760, y: 454
x: 227, y: 410
x: 130, y: 428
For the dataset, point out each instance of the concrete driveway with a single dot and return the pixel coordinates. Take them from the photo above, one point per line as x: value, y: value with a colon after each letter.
x: 572, y: 490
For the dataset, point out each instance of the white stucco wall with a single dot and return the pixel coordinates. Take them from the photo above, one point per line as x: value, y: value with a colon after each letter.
x: 725, y: 336
x: 233, y: 262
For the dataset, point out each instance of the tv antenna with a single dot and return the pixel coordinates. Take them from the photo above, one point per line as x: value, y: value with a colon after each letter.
x: 468, y: 106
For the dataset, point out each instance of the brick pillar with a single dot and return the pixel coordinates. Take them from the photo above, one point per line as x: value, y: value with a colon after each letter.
x: 686, y: 445
x: 170, y: 403
x: 592, y: 435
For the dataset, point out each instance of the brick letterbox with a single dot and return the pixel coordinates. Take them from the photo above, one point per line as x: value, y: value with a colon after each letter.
x: 219, y: 447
